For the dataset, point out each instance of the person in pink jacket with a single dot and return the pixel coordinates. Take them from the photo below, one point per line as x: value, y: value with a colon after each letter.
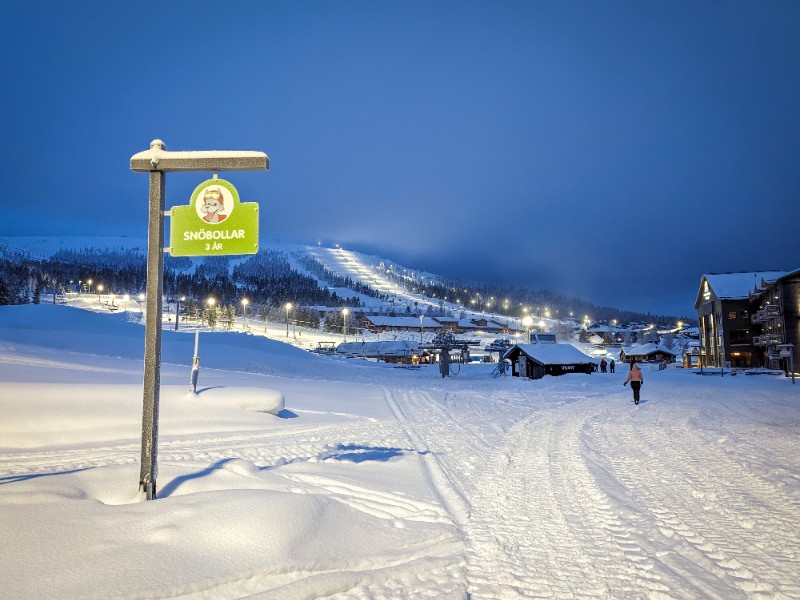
x: 636, y: 379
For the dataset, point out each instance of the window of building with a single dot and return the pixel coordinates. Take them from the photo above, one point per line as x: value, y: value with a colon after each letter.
x: 732, y: 314
x: 740, y: 336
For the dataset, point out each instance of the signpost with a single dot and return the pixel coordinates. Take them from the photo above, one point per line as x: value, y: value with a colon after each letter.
x: 157, y: 161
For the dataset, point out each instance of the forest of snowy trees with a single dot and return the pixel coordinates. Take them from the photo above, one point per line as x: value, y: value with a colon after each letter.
x: 266, y: 279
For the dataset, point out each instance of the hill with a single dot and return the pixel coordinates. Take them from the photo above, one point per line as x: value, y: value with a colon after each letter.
x: 306, y: 276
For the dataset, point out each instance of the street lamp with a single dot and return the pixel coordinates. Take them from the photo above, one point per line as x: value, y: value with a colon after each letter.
x: 345, y: 312
x: 178, y: 301
x: 527, y: 321
x: 99, y: 290
x: 211, y: 302
x: 245, y: 302
x: 89, y: 285
x: 288, y: 308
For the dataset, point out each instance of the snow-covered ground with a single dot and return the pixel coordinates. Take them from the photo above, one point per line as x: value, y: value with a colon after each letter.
x: 382, y: 482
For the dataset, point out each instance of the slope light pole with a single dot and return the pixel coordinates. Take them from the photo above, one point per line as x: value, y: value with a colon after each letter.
x: 178, y: 301
x: 157, y: 162
x: 527, y: 321
x: 245, y: 302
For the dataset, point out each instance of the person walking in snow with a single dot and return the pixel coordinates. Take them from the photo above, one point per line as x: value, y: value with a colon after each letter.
x: 636, y: 379
x: 611, y: 365
x: 603, y: 365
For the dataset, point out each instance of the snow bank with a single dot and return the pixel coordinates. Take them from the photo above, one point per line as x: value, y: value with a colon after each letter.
x: 252, y: 398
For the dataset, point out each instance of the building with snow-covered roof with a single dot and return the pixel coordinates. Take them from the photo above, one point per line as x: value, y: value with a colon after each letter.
x: 534, y: 361
x: 448, y: 323
x: 649, y: 352
x: 724, y: 309
x: 377, y: 323
x: 776, y: 309
x: 691, y: 355
x: 466, y: 325
x: 485, y: 324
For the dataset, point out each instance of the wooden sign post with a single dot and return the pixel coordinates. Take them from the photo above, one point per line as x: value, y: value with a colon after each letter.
x: 157, y: 161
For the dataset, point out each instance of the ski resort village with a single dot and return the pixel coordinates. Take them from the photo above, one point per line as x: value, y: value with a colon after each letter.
x: 337, y: 425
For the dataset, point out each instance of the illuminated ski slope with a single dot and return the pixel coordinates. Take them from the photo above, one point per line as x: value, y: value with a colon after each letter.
x: 370, y: 271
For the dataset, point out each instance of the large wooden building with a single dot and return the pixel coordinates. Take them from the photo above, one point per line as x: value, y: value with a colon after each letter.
x: 724, y: 310
x: 776, y: 309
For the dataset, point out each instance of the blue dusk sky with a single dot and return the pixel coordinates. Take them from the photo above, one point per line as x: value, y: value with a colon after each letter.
x: 615, y: 151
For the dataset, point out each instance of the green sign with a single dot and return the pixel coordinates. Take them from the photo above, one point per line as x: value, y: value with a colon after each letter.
x: 214, y: 223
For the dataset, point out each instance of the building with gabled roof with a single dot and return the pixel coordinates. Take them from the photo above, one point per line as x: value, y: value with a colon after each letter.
x: 776, y: 309
x: 649, y: 352
x: 378, y: 323
x: 534, y: 361
x: 724, y: 308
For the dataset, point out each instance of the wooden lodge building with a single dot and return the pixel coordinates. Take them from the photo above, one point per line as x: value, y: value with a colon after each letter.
x: 647, y: 353
x: 536, y: 360
x: 745, y: 318
x: 776, y: 309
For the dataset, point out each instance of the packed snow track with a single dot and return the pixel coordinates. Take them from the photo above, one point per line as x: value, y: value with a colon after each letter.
x: 564, y: 493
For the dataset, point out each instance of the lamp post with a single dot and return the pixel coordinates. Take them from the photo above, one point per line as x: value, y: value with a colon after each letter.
x: 89, y: 285
x: 421, y: 317
x: 527, y: 321
x: 245, y: 302
x: 211, y: 320
x: 288, y: 308
x: 99, y: 291
x: 345, y: 312
x: 178, y: 300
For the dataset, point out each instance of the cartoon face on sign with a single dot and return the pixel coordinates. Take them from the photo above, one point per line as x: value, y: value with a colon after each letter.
x: 214, y: 204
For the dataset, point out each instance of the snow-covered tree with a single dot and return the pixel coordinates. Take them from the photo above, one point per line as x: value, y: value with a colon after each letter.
x: 4, y: 296
x: 668, y: 340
